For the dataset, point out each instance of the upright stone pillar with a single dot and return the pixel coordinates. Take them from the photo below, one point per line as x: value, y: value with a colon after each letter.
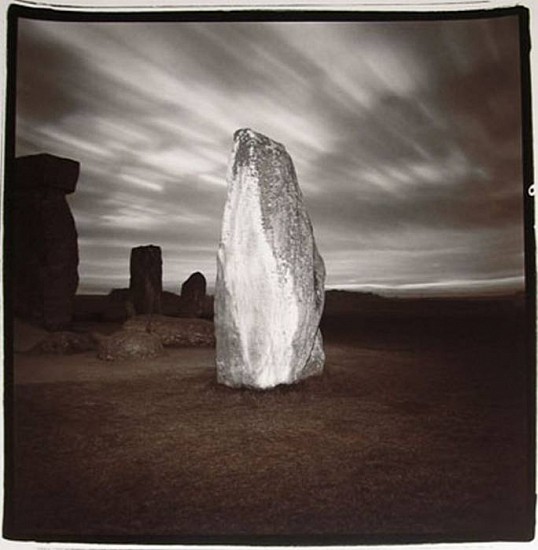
x: 45, y: 245
x: 193, y: 296
x: 146, y: 279
x: 269, y: 292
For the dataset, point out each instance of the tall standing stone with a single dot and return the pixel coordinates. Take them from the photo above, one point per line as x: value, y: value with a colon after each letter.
x: 193, y: 296
x: 146, y: 278
x: 45, y: 242
x: 269, y: 292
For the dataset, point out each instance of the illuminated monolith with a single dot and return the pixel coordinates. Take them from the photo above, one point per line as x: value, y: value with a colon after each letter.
x: 269, y: 292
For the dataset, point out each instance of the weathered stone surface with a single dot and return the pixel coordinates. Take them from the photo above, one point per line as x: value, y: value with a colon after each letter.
x: 146, y: 279
x: 128, y: 344
x: 269, y: 291
x: 45, y: 247
x: 193, y: 296
x: 175, y: 331
x: 65, y: 343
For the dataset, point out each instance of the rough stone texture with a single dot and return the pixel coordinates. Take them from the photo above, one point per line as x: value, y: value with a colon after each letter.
x: 65, y: 343
x: 146, y: 278
x: 128, y: 344
x: 45, y: 247
x: 174, y: 331
x: 269, y: 291
x: 193, y: 296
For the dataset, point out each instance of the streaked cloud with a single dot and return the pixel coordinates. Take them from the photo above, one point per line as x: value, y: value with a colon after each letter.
x: 406, y: 138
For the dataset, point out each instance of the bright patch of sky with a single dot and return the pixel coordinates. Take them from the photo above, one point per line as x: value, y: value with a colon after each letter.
x: 406, y: 137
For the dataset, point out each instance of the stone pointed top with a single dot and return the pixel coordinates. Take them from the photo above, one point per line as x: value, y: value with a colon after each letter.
x: 196, y: 279
x: 251, y: 148
x: 269, y: 287
x: 247, y: 136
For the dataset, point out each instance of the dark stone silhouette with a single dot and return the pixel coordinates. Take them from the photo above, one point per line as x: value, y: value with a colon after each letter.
x: 209, y: 307
x: 193, y: 296
x: 45, y: 247
x: 170, y: 303
x: 118, y: 305
x: 89, y: 307
x: 146, y: 279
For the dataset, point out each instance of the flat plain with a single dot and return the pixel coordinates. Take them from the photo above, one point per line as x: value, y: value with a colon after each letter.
x: 420, y: 429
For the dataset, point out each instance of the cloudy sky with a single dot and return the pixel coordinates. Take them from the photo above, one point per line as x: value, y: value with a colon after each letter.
x: 405, y: 137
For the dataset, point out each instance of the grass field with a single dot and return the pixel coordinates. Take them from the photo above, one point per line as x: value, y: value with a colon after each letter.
x: 419, y: 429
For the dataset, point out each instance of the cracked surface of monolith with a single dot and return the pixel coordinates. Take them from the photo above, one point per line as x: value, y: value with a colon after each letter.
x: 269, y: 292
x: 146, y: 285
x: 193, y: 296
x: 45, y: 241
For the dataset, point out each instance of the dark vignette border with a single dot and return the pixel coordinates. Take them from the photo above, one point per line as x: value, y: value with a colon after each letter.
x: 273, y: 14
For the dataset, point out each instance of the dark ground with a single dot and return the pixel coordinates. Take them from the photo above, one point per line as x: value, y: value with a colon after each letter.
x: 418, y: 430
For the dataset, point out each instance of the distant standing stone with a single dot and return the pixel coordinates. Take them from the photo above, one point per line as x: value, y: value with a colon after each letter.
x: 146, y: 279
x: 193, y: 296
x: 269, y: 292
